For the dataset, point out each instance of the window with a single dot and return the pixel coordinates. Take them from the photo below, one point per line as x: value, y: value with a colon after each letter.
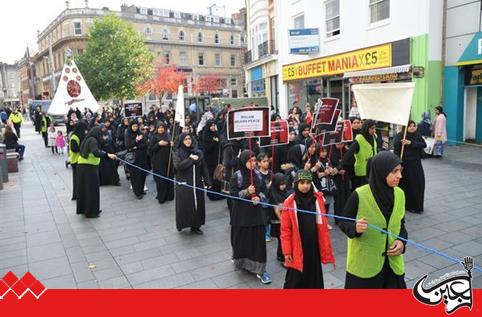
x: 332, y: 17
x: 216, y: 38
x: 299, y: 21
x: 165, y: 34
x: 233, y: 60
x: 183, y: 58
x: 379, y: 10
x: 167, y: 58
x: 231, y: 40
x: 201, y: 59
x: 148, y: 33
x: 77, y: 28
x: 217, y: 59
x: 234, y: 82
x: 200, y: 37
x: 181, y: 35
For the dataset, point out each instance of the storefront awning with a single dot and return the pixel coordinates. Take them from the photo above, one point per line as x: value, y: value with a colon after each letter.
x: 379, y: 71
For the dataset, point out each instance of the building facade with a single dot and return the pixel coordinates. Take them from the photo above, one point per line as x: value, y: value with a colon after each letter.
x: 463, y: 70
x: 200, y: 45
x: 326, y: 46
x: 26, y: 76
x: 9, y: 84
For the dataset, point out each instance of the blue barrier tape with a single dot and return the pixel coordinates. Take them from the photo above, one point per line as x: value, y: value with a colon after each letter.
x: 415, y: 244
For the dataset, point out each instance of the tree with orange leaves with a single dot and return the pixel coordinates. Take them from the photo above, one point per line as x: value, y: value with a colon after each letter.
x: 166, y: 79
x: 207, y: 84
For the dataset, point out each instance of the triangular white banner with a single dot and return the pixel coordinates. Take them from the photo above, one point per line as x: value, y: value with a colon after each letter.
x: 389, y: 102
x: 180, y: 107
x: 72, y: 91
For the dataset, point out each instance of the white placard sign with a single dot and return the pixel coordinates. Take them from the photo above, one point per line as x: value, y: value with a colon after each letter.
x: 248, y: 121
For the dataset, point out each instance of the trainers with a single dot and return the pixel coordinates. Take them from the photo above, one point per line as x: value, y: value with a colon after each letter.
x: 265, y: 278
x: 267, y: 238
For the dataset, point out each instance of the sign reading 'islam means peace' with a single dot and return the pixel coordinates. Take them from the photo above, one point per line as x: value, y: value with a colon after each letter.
x: 368, y: 58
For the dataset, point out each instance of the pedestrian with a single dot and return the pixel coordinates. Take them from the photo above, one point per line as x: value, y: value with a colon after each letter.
x: 16, y: 118
x: 305, y: 238
x: 413, y: 177
x: 191, y: 177
x: 211, y: 144
x: 108, y: 174
x: 11, y: 141
x: 161, y: 162
x: 248, y: 219
x: 374, y: 259
x: 75, y: 140
x: 439, y: 131
x: 88, y: 195
x: 52, y: 137
x: 277, y: 195
x: 362, y: 149
x: 44, y: 126
x: 341, y: 179
x: 37, y: 117
x: 60, y: 142
x: 425, y: 126
x: 136, y: 145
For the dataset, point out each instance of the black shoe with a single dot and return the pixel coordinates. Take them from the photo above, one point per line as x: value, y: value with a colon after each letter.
x: 140, y: 197
x: 197, y: 231
x: 179, y: 230
x: 73, y: 198
x: 118, y: 184
x: 93, y: 216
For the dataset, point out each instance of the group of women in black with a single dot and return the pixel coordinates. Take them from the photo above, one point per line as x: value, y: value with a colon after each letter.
x: 352, y: 179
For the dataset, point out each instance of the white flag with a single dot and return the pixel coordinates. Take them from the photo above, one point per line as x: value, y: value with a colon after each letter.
x: 180, y: 107
x: 390, y: 102
x: 72, y: 91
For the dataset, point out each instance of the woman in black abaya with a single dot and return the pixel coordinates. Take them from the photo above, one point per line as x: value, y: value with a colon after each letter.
x: 381, y: 203
x: 212, y: 155
x: 88, y: 196
x: 413, y: 177
x: 108, y: 174
x: 159, y: 151
x: 192, y: 170
x: 136, y: 143
x: 76, y: 138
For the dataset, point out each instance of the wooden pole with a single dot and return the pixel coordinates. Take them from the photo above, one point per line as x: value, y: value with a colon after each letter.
x: 170, y: 151
x: 403, y: 145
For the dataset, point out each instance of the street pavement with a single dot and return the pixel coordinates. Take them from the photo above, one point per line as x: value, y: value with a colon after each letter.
x: 134, y: 244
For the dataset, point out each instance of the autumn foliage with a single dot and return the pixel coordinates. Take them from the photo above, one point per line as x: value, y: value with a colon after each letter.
x: 166, y: 79
x: 207, y: 84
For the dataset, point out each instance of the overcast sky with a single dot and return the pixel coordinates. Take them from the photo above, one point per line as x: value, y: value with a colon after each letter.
x: 20, y: 19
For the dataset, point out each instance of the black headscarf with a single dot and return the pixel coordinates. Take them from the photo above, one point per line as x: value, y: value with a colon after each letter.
x: 164, y: 136
x: 94, y: 135
x: 365, y: 130
x: 184, y: 152
x: 381, y: 165
x: 305, y: 201
x: 79, y: 130
x: 300, y: 138
x: 411, y: 136
x: 295, y: 155
x: 277, y: 196
x: 207, y: 133
x: 244, y: 158
x: 306, y: 155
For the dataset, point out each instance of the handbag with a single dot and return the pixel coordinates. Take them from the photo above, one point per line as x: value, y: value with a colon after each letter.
x: 219, y: 170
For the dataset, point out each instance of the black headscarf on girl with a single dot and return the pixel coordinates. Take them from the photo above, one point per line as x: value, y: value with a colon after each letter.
x: 184, y: 152
x: 156, y: 136
x: 130, y: 133
x: 207, y: 133
x: 295, y: 155
x: 410, y: 136
x: 306, y: 155
x: 300, y: 138
x: 305, y: 201
x: 94, y: 135
x: 381, y: 165
x: 79, y: 130
x: 276, y: 195
x: 365, y: 130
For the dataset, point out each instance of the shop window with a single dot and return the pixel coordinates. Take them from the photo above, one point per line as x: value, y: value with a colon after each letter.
x: 379, y: 10
x: 332, y: 17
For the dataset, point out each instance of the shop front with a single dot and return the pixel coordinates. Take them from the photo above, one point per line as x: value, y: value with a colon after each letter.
x: 463, y: 94
x: 332, y: 76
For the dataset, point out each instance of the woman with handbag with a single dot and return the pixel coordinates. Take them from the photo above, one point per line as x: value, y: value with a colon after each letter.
x: 160, y: 151
x: 136, y: 145
x: 191, y: 170
x: 439, y: 131
x: 413, y: 177
x: 212, y: 156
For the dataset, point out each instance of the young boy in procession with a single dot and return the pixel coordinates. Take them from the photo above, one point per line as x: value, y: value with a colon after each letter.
x: 266, y: 174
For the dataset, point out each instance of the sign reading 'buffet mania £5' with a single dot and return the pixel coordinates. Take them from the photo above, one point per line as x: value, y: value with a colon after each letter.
x: 364, y: 59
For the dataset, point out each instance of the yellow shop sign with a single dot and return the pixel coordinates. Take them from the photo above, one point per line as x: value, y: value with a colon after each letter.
x: 368, y: 58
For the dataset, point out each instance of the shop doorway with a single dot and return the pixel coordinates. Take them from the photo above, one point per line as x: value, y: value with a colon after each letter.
x: 473, y: 114
x: 339, y: 88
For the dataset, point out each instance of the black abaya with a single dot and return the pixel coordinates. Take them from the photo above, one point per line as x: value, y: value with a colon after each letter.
x: 160, y: 162
x: 108, y: 172
x: 386, y: 279
x: 413, y: 184
x: 88, y: 195
x: 74, y: 181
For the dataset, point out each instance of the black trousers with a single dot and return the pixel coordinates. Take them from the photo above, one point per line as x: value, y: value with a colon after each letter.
x: 17, y: 129
x: 45, y: 137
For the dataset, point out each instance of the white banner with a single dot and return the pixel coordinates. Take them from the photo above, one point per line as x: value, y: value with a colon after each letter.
x: 72, y: 91
x: 248, y: 121
x: 180, y: 107
x: 390, y: 102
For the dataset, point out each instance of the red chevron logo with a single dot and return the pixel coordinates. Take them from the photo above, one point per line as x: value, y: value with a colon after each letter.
x: 27, y: 284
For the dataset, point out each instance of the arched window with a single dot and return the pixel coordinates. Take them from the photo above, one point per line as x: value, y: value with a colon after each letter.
x: 200, y: 37
x: 216, y: 38
x: 148, y: 33
x: 231, y: 40
x: 165, y: 34
x: 181, y: 35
